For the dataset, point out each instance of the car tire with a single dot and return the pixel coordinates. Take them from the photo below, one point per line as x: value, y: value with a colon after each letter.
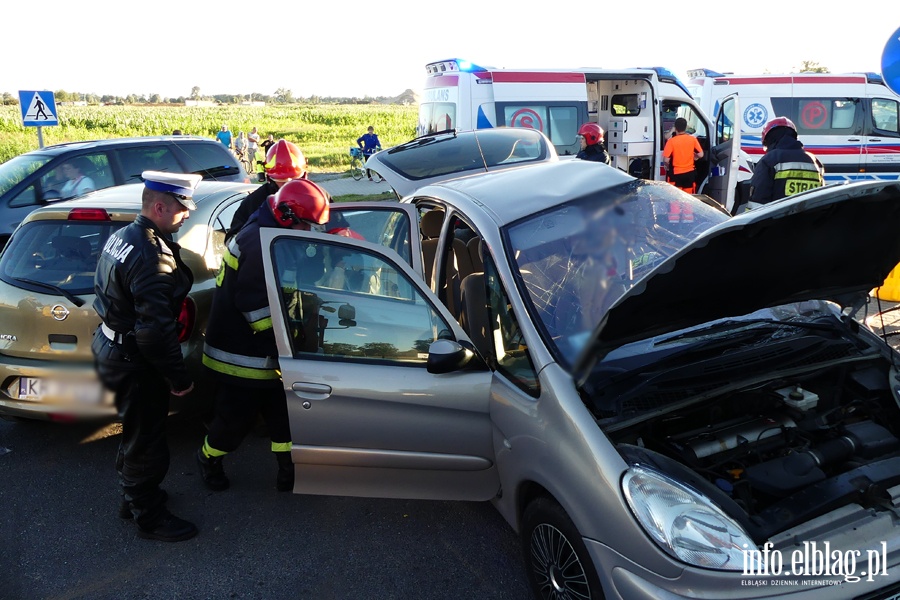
x: 556, y: 560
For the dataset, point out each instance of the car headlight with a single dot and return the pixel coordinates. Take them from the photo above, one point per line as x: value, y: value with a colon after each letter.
x: 684, y: 523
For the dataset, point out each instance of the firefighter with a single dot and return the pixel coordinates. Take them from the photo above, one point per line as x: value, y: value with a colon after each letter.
x: 592, y: 143
x: 240, y: 348
x: 284, y: 162
x: 140, y: 284
x: 786, y: 168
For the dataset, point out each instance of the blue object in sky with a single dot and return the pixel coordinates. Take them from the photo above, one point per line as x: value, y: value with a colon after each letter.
x: 890, y: 62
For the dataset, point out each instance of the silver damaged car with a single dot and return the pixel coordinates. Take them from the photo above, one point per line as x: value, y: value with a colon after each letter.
x: 663, y: 401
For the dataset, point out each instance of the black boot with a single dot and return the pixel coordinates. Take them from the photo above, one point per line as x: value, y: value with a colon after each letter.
x: 212, y: 471
x: 169, y: 528
x: 284, y: 481
x: 125, y: 506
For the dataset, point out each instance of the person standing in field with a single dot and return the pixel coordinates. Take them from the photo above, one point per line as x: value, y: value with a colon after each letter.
x: 252, y: 146
x: 225, y: 136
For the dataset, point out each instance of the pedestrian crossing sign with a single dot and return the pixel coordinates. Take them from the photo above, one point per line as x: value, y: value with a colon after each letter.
x: 38, y: 108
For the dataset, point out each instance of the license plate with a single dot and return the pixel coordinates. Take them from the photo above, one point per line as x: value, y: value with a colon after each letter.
x: 74, y: 391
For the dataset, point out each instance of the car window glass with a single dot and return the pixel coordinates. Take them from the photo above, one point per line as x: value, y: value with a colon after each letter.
x: 576, y: 259
x: 345, y: 302
x: 446, y: 154
x: 209, y: 160
x: 18, y: 168
x: 92, y: 172
x: 510, y: 352
x: 386, y: 226
x: 884, y: 116
x: 221, y: 221
x: 27, y: 197
x: 156, y: 157
x: 59, y: 253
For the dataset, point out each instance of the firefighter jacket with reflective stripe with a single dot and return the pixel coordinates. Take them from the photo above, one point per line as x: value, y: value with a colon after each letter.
x: 240, y: 343
x: 140, y: 284
x: 595, y: 153
x: 785, y: 170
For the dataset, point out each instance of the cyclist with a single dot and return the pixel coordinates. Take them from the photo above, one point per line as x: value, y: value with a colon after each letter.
x: 369, y: 144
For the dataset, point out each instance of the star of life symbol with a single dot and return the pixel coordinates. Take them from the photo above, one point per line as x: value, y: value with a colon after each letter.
x: 756, y: 115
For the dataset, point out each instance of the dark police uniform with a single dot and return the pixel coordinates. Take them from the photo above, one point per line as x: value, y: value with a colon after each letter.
x: 140, y: 284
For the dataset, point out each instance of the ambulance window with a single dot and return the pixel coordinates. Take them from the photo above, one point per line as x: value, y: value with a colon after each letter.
x: 436, y: 116
x: 819, y: 116
x: 884, y: 116
x: 627, y: 105
x: 558, y: 122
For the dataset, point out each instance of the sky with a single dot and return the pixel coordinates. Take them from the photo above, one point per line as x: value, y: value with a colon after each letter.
x: 380, y: 48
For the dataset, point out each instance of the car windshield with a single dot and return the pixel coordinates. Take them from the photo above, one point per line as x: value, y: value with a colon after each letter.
x: 18, y: 168
x: 576, y: 259
x: 55, y: 256
x: 447, y: 153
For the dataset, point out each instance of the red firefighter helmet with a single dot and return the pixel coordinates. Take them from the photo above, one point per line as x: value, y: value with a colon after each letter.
x: 284, y: 161
x: 346, y: 232
x: 592, y: 133
x: 777, y: 122
x: 299, y: 201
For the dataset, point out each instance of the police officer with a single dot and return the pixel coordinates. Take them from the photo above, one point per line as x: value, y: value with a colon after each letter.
x: 240, y: 348
x: 140, y: 284
x: 284, y: 162
x: 786, y: 168
x: 592, y: 143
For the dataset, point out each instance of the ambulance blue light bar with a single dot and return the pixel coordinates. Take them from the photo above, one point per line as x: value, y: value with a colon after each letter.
x: 453, y: 65
x: 668, y: 76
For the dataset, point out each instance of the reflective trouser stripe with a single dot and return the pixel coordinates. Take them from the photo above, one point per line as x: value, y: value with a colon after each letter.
x: 209, y: 451
x: 281, y: 446
x: 238, y: 371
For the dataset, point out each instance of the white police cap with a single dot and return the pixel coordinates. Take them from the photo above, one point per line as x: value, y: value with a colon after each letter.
x: 180, y: 185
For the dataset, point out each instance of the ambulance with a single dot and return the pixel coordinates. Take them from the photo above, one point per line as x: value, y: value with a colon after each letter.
x: 636, y: 108
x: 849, y: 121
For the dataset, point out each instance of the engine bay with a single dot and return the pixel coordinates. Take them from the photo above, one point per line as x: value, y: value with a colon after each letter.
x: 778, y: 454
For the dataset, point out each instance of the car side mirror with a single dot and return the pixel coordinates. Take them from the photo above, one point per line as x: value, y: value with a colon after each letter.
x: 446, y: 356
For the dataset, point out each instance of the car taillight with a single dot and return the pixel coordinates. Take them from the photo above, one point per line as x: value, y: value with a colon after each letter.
x: 186, y: 320
x: 88, y: 214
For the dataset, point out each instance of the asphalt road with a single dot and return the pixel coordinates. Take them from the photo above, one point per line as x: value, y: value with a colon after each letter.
x: 62, y: 539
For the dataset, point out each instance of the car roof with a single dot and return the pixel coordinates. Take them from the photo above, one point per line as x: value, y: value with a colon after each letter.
x: 63, y: 148
x: 515, y: 193
x: 128, y: 197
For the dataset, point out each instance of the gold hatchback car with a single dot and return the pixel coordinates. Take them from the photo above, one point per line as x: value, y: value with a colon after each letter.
x: 47, y: 290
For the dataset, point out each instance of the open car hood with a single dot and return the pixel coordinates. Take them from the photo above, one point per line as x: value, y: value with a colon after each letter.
x: 835, y: 243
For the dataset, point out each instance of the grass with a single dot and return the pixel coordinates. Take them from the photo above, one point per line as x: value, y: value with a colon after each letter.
x: 324, y: 133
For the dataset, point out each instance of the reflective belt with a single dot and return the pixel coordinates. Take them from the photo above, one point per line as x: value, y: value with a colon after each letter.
x: 112, y: 335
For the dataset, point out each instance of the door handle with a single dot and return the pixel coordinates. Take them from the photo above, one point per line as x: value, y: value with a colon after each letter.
x: 311, y: 391
x: 853, y: 139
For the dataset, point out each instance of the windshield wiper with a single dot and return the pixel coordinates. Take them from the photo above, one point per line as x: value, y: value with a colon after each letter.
x: 735, y: 327
x: 49, y: 286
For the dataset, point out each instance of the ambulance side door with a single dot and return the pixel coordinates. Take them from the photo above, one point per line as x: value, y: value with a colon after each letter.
x: 725, y: 153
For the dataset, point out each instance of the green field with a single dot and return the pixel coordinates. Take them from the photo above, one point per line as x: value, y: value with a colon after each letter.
x: 324, y: 133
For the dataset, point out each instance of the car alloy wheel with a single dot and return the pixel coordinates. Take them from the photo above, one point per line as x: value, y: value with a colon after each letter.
x: 556, y: 559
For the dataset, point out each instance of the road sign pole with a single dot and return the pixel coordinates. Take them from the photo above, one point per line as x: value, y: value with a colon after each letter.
x: 40, y: 137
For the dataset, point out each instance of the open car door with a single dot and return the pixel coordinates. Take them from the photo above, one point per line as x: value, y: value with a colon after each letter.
x: 725, y: 153
x: 354, y: 324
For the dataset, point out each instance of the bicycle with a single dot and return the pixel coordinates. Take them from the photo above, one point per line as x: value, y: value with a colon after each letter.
x: 357, y: 164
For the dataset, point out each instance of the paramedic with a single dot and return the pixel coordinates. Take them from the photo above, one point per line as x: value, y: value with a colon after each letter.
x: 786, y: 168
x: 240, y: 349
x: 592, y: 143
x: 140, y: 284
x: 680, y: 152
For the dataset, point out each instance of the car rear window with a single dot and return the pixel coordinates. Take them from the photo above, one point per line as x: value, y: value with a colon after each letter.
x: 211, y: 161
x: 443, y: 154
x: 47, y: 255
